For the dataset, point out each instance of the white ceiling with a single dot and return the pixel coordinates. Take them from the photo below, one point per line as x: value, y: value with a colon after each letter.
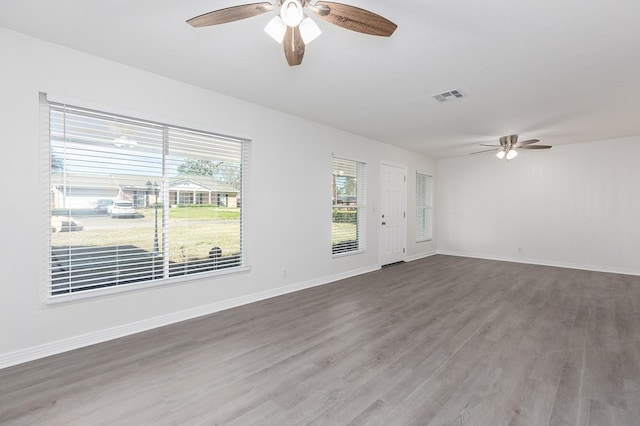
x: 560, y: 71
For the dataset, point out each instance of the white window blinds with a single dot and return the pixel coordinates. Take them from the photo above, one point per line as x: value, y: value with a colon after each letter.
x: 133, y: 201
x: 349, y: 206
x: 424, y: 207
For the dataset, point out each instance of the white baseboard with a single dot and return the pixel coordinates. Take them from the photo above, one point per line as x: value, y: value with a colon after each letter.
x: 76, y: 342
x: 569, y: 265
x: 421, y: 255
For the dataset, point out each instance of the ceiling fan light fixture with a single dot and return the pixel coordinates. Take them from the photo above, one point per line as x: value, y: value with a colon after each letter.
x: 291, y: 12
x: 309, y: 30
x: 501, y: 154
x: 276, y: 28
x: 512, y: 154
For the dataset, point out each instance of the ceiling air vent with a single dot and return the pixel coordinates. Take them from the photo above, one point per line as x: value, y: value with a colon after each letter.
x: 451, y: 95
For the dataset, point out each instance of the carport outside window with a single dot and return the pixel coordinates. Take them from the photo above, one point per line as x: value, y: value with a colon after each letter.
x: 133, y: 201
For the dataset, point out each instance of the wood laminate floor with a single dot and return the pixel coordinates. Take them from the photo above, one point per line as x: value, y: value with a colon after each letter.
x: 443, y: 341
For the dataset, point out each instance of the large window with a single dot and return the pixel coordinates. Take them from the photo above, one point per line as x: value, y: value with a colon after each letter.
x: 424, y: 207
x: 133, y: 201
x: 349, y: 189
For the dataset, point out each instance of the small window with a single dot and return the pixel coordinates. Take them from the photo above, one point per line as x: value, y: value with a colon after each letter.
x: 133, y: 201
x: 424, y: 207
x: 349, y: 218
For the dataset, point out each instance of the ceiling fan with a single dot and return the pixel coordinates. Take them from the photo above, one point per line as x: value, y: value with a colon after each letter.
x: 509, y: 143
x: 292, y: 25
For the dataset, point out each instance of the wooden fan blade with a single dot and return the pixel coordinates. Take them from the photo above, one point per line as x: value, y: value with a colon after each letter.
x: 230, y: 14
x: 356, y: 19
x: 486, y: 150
x: 527, y: 142
x: 293, y: 46
x: 535, y: 147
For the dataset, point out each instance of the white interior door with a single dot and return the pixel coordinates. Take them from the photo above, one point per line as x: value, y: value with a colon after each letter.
x: 393, y: 217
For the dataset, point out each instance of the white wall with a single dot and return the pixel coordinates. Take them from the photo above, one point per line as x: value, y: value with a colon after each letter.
x: 291, y: 162
x: 575, y: 205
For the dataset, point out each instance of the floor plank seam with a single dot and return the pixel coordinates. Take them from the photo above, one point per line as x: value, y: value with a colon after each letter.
x: 584, y: 365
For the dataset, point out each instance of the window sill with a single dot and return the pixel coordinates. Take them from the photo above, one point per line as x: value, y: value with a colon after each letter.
x: 348, y: 253
x: 126, y: 288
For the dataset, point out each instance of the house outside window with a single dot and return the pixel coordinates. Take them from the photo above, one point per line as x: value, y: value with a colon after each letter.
x: 424, y: 207
x: 349, y: 207
x: 139, y: 202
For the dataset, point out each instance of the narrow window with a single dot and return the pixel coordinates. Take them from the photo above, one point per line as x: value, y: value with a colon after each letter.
x: 424, y: 207
x: 133, y: 201
x: 349, y: 206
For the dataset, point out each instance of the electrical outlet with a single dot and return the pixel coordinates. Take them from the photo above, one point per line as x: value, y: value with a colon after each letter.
x: 519, y: 250
x: 284, y: 272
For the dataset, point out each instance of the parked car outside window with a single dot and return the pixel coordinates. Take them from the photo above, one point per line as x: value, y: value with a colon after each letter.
x: 122, y: 209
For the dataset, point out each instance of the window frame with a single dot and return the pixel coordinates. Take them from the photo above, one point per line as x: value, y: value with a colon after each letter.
x: 360, y: 205
x: 424, y: 230
x: 151, y: 281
